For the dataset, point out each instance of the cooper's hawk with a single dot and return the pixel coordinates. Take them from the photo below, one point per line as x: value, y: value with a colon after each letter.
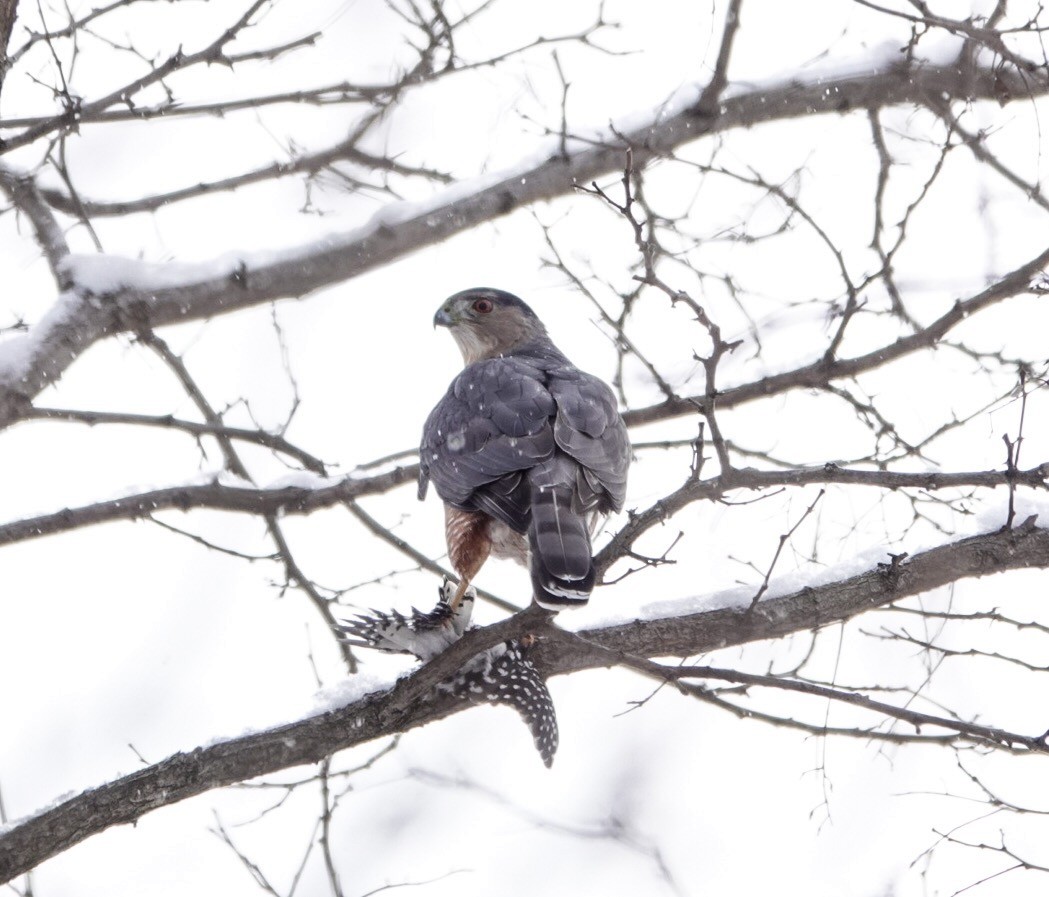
x: 525, y: 450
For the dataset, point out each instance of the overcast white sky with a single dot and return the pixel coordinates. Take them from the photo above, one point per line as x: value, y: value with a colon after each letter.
x: 124, y: 643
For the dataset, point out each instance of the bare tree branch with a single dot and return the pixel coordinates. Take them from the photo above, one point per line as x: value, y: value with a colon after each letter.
x: 838, y: 279
x: 25, y: 195
x: 823, y: 371
x: 214, y: 494
x: 212, y: 53
x: 79, y: 320
x: 295, y: 499
x: 309, y: 163
x: 273, y: 441
x: 711, y: 95
x: 8, y: 10
x: 412, y: 703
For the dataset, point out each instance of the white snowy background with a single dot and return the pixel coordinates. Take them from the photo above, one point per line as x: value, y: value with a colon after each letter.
x: 123, y: 643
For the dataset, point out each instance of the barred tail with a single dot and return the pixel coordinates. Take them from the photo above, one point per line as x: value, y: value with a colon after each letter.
x: 559, y: 543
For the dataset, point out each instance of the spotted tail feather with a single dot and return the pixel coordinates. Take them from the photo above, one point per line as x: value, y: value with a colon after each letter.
x: 504, y: 675
x: 500, y: 675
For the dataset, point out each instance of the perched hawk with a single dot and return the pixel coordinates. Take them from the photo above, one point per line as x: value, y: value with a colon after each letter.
x: 525, y: 450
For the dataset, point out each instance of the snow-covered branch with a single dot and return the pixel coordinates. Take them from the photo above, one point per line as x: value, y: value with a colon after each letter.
x: 218, y: 494
x: 222, y: 493
x: 411, y: 702
x: 815, y: 275
x: 111, y: 295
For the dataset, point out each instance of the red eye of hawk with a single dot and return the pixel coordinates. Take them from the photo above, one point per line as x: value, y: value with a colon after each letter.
x: 483, y: 306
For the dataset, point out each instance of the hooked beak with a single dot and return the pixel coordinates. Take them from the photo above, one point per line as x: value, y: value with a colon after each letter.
x: 443, y: 318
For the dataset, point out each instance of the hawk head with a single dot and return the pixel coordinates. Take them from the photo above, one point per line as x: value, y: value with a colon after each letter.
x: 486, y: 322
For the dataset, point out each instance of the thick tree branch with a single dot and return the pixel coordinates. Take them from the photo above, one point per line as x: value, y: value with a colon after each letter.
x: 23, y: 192
x: 812, y: 608
x: 8, y: 9
x: 411, y: 702
x: 710, y: 97
x: 219, y: 496
x: 148, y: 298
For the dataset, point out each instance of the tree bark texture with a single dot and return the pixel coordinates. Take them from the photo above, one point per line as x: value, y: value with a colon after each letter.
x: 412, y: 702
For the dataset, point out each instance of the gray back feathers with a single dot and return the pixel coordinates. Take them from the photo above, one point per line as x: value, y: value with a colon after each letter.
x: 536, y: 443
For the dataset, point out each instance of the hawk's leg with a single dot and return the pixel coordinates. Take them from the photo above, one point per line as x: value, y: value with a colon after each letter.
x: 469, y: 544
